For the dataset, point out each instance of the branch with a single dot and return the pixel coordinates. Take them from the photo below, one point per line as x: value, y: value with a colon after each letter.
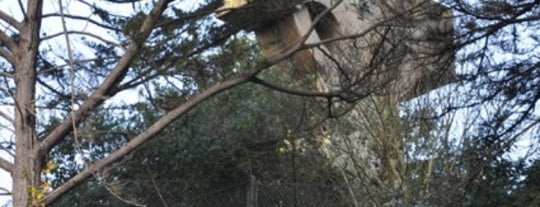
x: 21, y: 7
x: 11, y: 45
x: 52, y: 68
x: 6, y: 127
x: 79, y: 33
x: 6, y: 116
x: 70, y: 16
x: 4, y: 192
x: 7, y: 55
x: 143, y: 137
x: 10, y: 20
x: 111, y: 81
x: 279, y: 88
x: 60, y: 95
x: 6, y: 165
x: 71, y: 68
x: 351, y: 36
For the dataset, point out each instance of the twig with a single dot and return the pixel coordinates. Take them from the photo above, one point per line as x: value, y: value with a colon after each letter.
x: 83, y: 19
x: 66, y: 32
x: 5, y: 191
x: 71, y: 73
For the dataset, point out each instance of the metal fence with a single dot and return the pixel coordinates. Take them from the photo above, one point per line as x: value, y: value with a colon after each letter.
x: 251, y: 193
x: 297, y: 195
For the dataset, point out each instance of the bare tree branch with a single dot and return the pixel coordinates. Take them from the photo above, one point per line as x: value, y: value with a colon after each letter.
x: 10, y: 20
x: 6, y: 127
x: 21, y: 7
x: 70, y: 16
x: 279, y: 88
x: 6, y: 116
x: 7, y: 55
x: 4, y: 191
x: 71, y: 71
x: 48, y: 37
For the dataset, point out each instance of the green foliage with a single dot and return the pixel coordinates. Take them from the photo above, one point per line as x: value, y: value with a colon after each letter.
x: 219, y: 143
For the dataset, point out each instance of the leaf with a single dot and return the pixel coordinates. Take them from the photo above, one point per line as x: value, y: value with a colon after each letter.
x: 51, y: 165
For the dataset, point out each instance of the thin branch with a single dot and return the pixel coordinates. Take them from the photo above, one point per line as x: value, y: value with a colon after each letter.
x: 499, y: 149
x: 6, y: 165
x: 279, y: 88
x: 71, y: 75
x: 5, y: 191
x: 10, y: 20
x: 6, y: 116
x: 136, y: 81
x: 79, y: 33
x: 70, y: 16
x: 211, y: 8
x: 301, y: 42
x: 351, y: 36
x: 6, y: 127
x: 7, y: 55
x: 50, y: 88
x: 21, y: 7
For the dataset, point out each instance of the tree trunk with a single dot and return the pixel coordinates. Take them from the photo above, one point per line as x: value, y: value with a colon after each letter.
x: 28, y: 159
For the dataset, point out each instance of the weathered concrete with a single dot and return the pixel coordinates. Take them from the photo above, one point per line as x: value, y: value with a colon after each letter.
x: 394, y: 26
x: 393, y: 50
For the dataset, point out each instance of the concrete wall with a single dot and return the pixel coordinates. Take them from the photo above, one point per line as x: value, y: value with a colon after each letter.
x: 401, y: 56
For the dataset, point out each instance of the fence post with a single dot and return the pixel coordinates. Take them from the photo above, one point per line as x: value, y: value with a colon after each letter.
x: 252, y: 192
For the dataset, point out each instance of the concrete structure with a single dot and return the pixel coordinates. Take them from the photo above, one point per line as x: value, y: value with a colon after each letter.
x: 391, y: 50
x: 395, y: 45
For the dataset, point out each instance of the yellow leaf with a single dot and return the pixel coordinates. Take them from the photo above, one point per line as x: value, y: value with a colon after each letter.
x: 51, y: 165
x: 47, y: 186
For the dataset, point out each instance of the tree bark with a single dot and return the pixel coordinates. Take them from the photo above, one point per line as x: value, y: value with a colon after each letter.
x: 28, y: 162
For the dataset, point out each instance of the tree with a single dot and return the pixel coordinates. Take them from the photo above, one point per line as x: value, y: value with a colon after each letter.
x: 29, y: 67
x: 162, y: 41
x: 158, y: 42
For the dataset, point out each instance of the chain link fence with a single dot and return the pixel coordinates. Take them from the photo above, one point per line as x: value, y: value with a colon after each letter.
x: 298, y: 195
x: 251, y: 193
